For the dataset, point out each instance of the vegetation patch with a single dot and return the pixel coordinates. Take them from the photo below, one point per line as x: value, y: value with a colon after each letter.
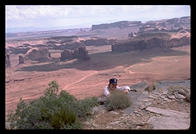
x: 51, y: 111
x: 117, y: 100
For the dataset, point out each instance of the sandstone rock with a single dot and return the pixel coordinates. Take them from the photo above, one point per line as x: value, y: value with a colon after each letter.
x: 21, y: 59
x: 81, y: 53
x: 139, y: 86
x: 66, y: 54
x: 37, y: 54
x: 19, y: 49
x: 7, y: 60
x: 115, y: 122
x: 169, y: 123
x: 98, y: 109
x: 168, y: 112
x: 113, y: 112
x: 119, y: 24
x: 179, y: 96
x: 131, y: 45
x: 101, y: 100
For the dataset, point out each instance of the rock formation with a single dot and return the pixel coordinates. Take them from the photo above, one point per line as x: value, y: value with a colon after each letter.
x: 172, y: 25
x: 21, y: 59
x: 119, y: 24
x: 98, y: 42
x: 80, y: 53
x: 7, y: 60
x: 37, y: 54
x: 66, y: 54
x: 131, y: 45
x: 19, y: 50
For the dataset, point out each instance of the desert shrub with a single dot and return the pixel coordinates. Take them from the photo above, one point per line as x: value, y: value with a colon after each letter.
x: 83, y: 107
x: 51, y: 111
x: 52, y: 88
x: 117, y: 100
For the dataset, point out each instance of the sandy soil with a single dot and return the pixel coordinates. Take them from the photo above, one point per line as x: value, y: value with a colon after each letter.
x: 88, y: 78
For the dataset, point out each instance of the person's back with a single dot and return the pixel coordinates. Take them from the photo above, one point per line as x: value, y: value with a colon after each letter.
x: 112, y: 86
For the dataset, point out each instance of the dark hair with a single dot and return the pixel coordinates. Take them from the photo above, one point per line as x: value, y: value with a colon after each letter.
x: 113, y: 81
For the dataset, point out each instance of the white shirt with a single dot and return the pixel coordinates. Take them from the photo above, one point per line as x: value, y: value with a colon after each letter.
x: 106, y: 90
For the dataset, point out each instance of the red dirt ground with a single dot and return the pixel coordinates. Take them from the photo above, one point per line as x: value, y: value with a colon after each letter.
x: 86, y: 79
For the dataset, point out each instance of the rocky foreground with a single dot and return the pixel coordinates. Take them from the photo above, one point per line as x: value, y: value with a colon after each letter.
x: 164, y: 105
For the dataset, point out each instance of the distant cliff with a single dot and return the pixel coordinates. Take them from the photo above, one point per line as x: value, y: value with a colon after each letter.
x: 119, y: 24
x: 173, y: 24
x: 131, y: 45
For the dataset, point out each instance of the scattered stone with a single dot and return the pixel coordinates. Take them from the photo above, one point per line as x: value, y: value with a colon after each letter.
x: 145, y: 105
x: 152, y: 96
x: 171, y: 96
x: 87, y: 123
x: 113, y: 112
x: 166, y: 99
x: 169, y: 122
x: 101, y: 100
x: 95, y: 125
x: 98, y: 109
x: 168, y: 112
x: 139, y: 86
x: 179, y: 96
x: 165, y: 92
x: 113, y: 123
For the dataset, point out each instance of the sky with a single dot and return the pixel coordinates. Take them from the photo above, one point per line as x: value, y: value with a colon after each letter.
x: 32, y: 17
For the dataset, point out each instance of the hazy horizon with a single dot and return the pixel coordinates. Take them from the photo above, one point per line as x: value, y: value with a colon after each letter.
x: 22, y: 18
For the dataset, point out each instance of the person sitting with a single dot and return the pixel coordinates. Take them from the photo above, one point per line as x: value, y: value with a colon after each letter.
x: 112, y: 86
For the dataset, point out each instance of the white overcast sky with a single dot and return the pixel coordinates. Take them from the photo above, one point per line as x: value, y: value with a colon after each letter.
x: 75, y: 16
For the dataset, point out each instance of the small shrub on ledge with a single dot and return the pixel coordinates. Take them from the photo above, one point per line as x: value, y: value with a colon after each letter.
x: 117, y: 100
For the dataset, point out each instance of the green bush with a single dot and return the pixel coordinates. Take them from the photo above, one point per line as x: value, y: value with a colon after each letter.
x: 83, y: 107
x: 117, y: 100
x: 51, y: 111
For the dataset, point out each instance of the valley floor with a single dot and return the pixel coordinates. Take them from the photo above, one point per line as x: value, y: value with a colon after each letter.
x: 86, y: 79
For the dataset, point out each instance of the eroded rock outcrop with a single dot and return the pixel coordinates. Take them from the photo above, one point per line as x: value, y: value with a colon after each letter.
x: 151, y: 43
x: 37, y: 54
x: 66, y: 54
x: 119, y: 24
x: 80, y: 53
x: 19, y: 50
x: 98, y: 42
x: 7, y: 60
x: 21, y: 59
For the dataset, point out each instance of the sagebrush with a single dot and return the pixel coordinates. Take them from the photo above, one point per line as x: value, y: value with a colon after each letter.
x: 51, y: 111
x: 117, y: 100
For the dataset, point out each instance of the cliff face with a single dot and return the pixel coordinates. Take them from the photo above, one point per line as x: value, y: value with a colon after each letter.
x: 80, y: 53
x: 173, y: 24
x: 37, y: 54
x: 119, y: 24
x: 151, y: 43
